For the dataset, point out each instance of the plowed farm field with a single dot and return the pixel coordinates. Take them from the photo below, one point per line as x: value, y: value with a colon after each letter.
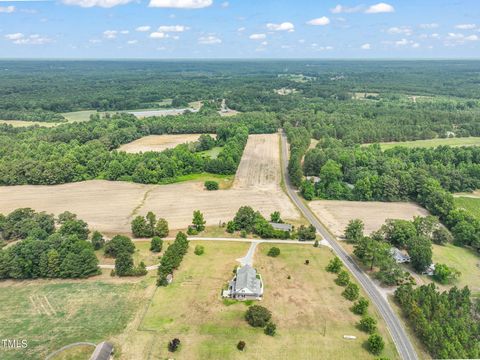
x: 109, y: 206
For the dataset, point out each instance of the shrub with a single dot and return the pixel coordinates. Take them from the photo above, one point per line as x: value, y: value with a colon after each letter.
x: 334, y: 265
x: 316, y: 243
x: 368, y: 324
x: 243, y: 234
x: 97, y: 240
x: 231, y: 227
x: 306, y: 233
x: 442, y: 236
x: 156, y: 244
x: 343, y: 279
x: 119, y: 244
x: 258, y: 316
x: 161, y: 228
x: 360, y: 307
x: 375, y: 344
x: 198, y: 221
x: 199, y: 250
x: 173, y: 345
x: 241, y: 345
x: 273, y: 252
x: 270, y: 329
x: 211, y: 185
x: 445, y: 274
x: 124, y: 264
x: 351, y: 292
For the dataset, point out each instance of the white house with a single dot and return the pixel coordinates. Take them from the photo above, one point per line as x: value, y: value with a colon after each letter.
x: 399, y: 256
x: 246, y: 285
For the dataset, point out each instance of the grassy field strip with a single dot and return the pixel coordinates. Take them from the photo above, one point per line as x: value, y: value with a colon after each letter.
x: 465, y: 141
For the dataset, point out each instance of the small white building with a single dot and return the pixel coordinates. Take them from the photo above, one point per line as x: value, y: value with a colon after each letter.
x: 429, y: 270
x: 246, y: 285
x: 399, y: 256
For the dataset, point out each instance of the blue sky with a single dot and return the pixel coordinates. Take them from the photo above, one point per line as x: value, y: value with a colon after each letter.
x: 240, y: 29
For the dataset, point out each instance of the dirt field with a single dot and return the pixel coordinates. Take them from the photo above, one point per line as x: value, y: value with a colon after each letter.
x: 260, y: 165
x: 336, y: 214
x: 310, y: 313
x: 157, y: 142
x: 109, y: 206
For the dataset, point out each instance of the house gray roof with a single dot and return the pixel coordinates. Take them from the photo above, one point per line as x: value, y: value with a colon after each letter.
x: 283, y: 227
x: 398, y: 255
x: 247, y: 278
x: 103, y: 351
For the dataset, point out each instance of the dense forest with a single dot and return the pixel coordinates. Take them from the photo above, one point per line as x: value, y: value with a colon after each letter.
x: 83, y: 151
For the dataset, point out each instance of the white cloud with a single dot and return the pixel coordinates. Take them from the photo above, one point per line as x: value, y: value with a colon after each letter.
x: 380, y: 8
x: 415, y: 45
x: 264, y: 43
x: 366, y: 46
x: 240, y: 29
x: 94, y: 3
x: 172, y: 28
x: 339, y: 9
x: 124, y: 32
x: 402, y: 42
x: 22, y: 39
x: 285, y: 26
x: 453, y: 39
x: 257, y: 36
x: 465, y: 26
x: 322, y: 21
x: 181, y: 4
x: 143, y: 28
x: 110, y: 34
x: 132, y: 42
x: 158, y: 35
x: 14, y: 36
x: 209, y: 40
x: 429, y: 26
x: 406, y: 30
x: 7, y: 9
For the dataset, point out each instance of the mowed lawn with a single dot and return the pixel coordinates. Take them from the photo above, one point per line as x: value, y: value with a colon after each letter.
x: 311, y: 315
x: 52, y: 314
x: 430, y: 143
x: 471, y: 204
x: 464, y: 260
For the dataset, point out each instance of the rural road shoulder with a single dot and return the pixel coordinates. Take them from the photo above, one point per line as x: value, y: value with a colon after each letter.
x: 395, y: 327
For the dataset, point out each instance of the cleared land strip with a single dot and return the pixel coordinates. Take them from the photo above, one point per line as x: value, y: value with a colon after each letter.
x: 158, y: 142
x: 395, y: 327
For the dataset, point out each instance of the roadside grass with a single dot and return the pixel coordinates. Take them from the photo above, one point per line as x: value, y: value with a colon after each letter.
x: 50, y: 314
x: 461, y: 141
x: 310, y: 313
x: 470, y: 204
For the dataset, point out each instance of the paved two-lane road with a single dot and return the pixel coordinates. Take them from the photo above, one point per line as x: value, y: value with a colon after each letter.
x: 400, y: 337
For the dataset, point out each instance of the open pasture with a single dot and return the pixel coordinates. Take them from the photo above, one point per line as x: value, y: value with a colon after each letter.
x: 310, y: 313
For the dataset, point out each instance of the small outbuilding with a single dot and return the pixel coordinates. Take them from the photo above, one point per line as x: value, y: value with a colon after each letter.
x: 103, y: 351
x: 429, y: 270
x: 399, y: 256
x: 281, y: 226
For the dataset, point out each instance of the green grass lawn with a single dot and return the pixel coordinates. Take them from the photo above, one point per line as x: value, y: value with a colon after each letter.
x: 464, y: 260
x: 79, y: 116
x: 470, y: 204
x: 212, y: 153
x: 466, y: 141
x: 224, y: 181
x: 52, y: 314
x: 310, y: 313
